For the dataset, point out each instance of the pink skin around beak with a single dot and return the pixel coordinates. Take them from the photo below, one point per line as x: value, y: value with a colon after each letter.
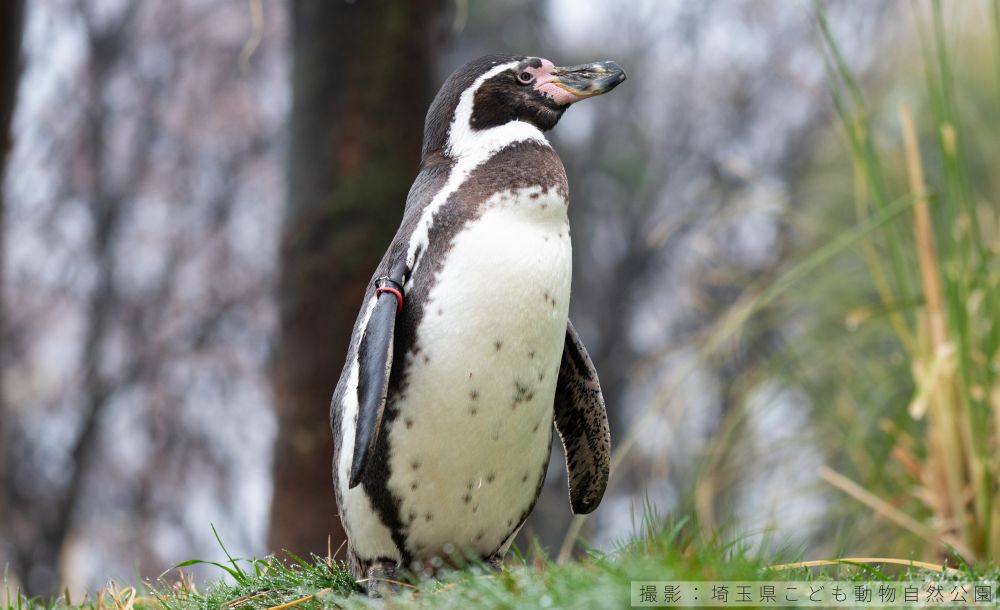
x: 544, y: 83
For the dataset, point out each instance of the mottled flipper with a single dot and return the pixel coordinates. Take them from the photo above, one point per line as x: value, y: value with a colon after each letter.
x: 582, y: 423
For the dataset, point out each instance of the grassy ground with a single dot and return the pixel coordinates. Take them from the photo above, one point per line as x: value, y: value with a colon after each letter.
x: 665, y: 552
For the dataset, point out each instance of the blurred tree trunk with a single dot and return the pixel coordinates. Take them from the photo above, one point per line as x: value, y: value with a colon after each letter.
x: 362, y: 79
x: 11, y: 24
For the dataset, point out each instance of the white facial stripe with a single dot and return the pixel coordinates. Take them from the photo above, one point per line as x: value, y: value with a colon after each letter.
x: 463, y: 140
x: 468, y: 148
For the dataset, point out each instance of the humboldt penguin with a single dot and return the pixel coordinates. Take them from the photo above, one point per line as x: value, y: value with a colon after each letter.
x: 463, y: 356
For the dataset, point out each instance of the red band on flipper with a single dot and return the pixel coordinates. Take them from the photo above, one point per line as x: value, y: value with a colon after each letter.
x: 394, y: 292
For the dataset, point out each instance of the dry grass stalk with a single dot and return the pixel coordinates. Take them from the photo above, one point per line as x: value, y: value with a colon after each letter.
x: 890, y: 512
x: 951, y: 472
x: 923, y: 565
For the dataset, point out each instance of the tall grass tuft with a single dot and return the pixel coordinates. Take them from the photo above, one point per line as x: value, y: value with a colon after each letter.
x: 937, y: 270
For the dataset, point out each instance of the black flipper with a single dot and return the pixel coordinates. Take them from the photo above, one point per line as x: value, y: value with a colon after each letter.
x: 375, y: 363
x: 582, y: 423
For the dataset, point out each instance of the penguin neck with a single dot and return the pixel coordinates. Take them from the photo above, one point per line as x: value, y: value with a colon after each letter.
x: 472, y: 149
x: 467, y: 145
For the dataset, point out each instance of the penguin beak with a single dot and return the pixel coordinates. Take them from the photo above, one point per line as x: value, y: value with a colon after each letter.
x: 586, y: 80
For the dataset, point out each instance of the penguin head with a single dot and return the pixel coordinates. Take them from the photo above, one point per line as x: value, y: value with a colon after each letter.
x: 495, y: 90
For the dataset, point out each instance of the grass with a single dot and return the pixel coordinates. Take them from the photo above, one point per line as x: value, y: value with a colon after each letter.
x: 662, y: 551
x: 937, y: 273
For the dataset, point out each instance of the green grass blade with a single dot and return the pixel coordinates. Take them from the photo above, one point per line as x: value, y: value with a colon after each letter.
x: 239, y: 575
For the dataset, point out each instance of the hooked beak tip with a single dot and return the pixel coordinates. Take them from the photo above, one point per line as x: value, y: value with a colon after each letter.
x: 588, y: 80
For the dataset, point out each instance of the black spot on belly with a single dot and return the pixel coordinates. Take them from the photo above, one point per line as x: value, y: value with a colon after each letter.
x: 427, y: 359
x: 408, y: 422
x: 467, y: 498
x: 524, y: 479
x: 475, y: 508
x: 473, y: 410
x: 498, y: 344
x: 492, y: 477
x: 428, y: 516
x: 531, y: 354
x: 479, y: 535
x: 474, y: 394
x: 522, y: 394
x: 415, y: 465
x: 411, y: 516
x: 414, y: 485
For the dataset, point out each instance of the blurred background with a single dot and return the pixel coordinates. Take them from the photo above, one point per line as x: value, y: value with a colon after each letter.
x: 195, y: 193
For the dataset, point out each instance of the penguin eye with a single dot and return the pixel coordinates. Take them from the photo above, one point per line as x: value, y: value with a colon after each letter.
x: 525, y: 78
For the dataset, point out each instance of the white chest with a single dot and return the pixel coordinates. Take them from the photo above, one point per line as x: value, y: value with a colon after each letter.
x: 473, y: 431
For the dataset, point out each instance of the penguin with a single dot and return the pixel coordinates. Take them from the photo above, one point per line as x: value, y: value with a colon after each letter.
x: 463, y: 358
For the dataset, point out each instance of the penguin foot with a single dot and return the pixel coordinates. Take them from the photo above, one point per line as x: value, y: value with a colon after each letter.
x: 495, y: 562
x: 381, y: 580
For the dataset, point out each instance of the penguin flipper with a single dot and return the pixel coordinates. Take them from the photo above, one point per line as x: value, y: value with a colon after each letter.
x: 582, y: 422
x: 374, y: 366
